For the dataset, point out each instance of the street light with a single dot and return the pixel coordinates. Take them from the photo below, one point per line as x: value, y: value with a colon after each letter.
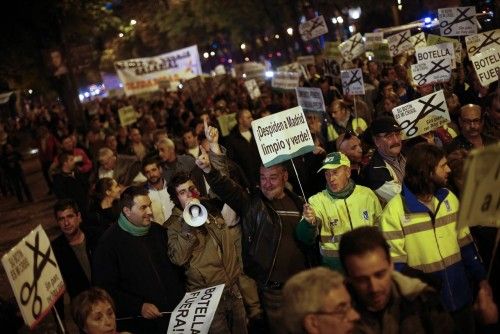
x: 205, y: 55
x: 334, y: 20
x: 120, y: 35
x: 289, y: 31
x: 340, y: 20
x: 277, y: 36
x: 243, y: 46
x: 212, y: 53
x: 133, y: 22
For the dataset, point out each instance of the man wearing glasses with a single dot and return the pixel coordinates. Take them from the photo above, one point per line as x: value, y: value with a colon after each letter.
x: 384, y: 174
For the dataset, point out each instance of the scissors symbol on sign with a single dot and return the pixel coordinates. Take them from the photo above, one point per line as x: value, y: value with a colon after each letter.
x: 462, y: 17
x: 315, y: 23
x: 403, y: 38
x: 419, y: 39
x: 411, y: 126
x: 355, y: 43
x: 27, y: 289
x: 422, y: 78
x: 354, y: 79
x: 488, y: 41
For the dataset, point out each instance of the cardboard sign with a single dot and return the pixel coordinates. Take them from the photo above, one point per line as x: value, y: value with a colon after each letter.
x: 480, y: 196
x: 127, y: 115
x: 431, y: 71
x: 330, y: 68
x: 306, y: 60
x: 226, y: 123
x: 487, y: 66
x: 253, y: 89
x: 332, y: 50
x: 195, y: 312
x: 352, y: 48
x: 285, y: 80
x: 310, y: 99
x: 381, y: 53
x: 34, y: 276
x: 352, y: 82
x: 422, y: 115
x: 282, y: 136
x: 372, y: 39
x: 399, y: 43
x: 457, y: 46
x: 482, y: 42
x: 418, y: 40
x: 251, y: 70
x: 457, y: 21
x: 436, y: 52
x: 313, y: 28
x: 141, y: 75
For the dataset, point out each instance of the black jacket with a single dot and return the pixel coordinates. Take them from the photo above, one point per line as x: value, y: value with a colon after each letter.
x: 245, y: 154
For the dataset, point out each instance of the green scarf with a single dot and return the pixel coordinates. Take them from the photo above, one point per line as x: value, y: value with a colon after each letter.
x: 344, y: 193
x: 127, y: 226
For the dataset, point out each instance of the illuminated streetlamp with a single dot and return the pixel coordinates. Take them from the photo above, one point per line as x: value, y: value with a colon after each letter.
x: 277, y: 36
x: 133, y: 22
x: 120, y: 35
x: 289, y: 31
x: 340, y: 20
x: 243, y: 46
x: 205, y: 55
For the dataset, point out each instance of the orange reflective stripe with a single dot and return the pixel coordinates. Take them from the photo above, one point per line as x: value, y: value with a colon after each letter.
x: 445, y: 220
x: 399, y: 259
x: 439, y: 265
x: 329, y: 252
x: 465, y: 241
x: 418, y: 227
x: 392, y: 235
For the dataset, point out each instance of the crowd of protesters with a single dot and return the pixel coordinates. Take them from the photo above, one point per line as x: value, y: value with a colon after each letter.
x: 122, y: 191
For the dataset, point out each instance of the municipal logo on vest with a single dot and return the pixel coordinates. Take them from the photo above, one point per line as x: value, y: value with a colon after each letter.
x: 448, y: 208
x: 365, y: 215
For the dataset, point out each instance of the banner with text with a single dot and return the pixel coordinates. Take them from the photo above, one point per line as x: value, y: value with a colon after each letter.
x: 457, y: 46
x: 436, y: 52
x: 399, y: 43
x: 34, y: 276
x: 422, y: 115
x: 457, y: 21
x: 352, y: 48
x: 482, y: 42
x: 381, y: 53
x: 487, y: 66
x: 195, y: 312
x: 431, y: 71
x: 282, y: 136
x: 418, y: 40
x: 352, y: 82
x: 313, y: 28
x: 253, y: 89
x: 310, y: 99
x: 285, y: 80
x: 372, y: 39
x: 141, y: 75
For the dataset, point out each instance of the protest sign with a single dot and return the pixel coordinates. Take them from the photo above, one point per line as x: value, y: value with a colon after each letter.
x: 431, y: 71
x: 226, y: 123
x: 482, y: 42
x: 457, y: 21
x: 141, y: 75
x: 253, y: 89
x: 332, y: 50
x: 418, y: 40
x: 436, y: 52
x: 399, y: 43
x: 352, y: 82
x: 251, y: 70
x: 313, y: 28
x: 487, y: 66
x: 457, y: 46
x: 480, y: 196
x: 330, y: 68
x: 34, y: 276
x: 306, y: 60
x: 381, y: 53
x: 195, y: 312
x: 282, y: 136
x: 352, y: 48
x: 310, y: 99
x: 127, y: 115
x: 422, y: 115
x: 285, y: 80
x: 372, y: 39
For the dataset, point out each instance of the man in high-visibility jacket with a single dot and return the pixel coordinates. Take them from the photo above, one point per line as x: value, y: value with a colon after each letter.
x: 420, y: 225
x: 340, y: 208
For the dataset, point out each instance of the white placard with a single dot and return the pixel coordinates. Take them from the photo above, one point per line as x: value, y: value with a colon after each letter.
x: 487, y: 66
x: 282, y: 136
x: 480, y: 196
x: 127, y: 115
x: 195, y: 312
x: 251, y: 70
x: 352, y: 82
x: 482, y: 42
x: 352, y: 48
x: 418, y: 40
x: 399, y: 43
x: 436, y: 52
x: 142, y: 75
x: 457, y: 21
x: 253, y: 89
x: 285, y: 80
x: 306, y: 60
x: 34, y: 276
x: 422, y: 115
x: 431, y: 71
x: 373, y: 38
x: 310, y: 99
x: 313, y: 28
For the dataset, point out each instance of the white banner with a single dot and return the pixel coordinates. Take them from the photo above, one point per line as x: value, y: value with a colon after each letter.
x: 431, y: 71
x: 482, y: 42
x: 487, y: 66
x: 352, y: 48
x: 418, y: 40
x: 253, y: 89
x: 310, y: 99
x: 436, y: 52
x: 457, y: 21
x: 372, y: 39
x: 480, y: 196
x: 399, y: 43
x: 313, y: 28
x: 141, y: 75
x: 34, y: 276
x: 352, y: 82
x: 285, y: 80
x: 422, y: 115
x: 282, y: 136
x: 195, y: 312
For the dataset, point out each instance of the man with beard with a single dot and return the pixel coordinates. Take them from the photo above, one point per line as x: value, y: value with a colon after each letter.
x: 161, y: 204
x: 420, y: 225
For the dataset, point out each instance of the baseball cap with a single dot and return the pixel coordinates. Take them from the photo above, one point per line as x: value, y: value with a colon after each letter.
x: 384, y: 124
x: 334, y: 160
